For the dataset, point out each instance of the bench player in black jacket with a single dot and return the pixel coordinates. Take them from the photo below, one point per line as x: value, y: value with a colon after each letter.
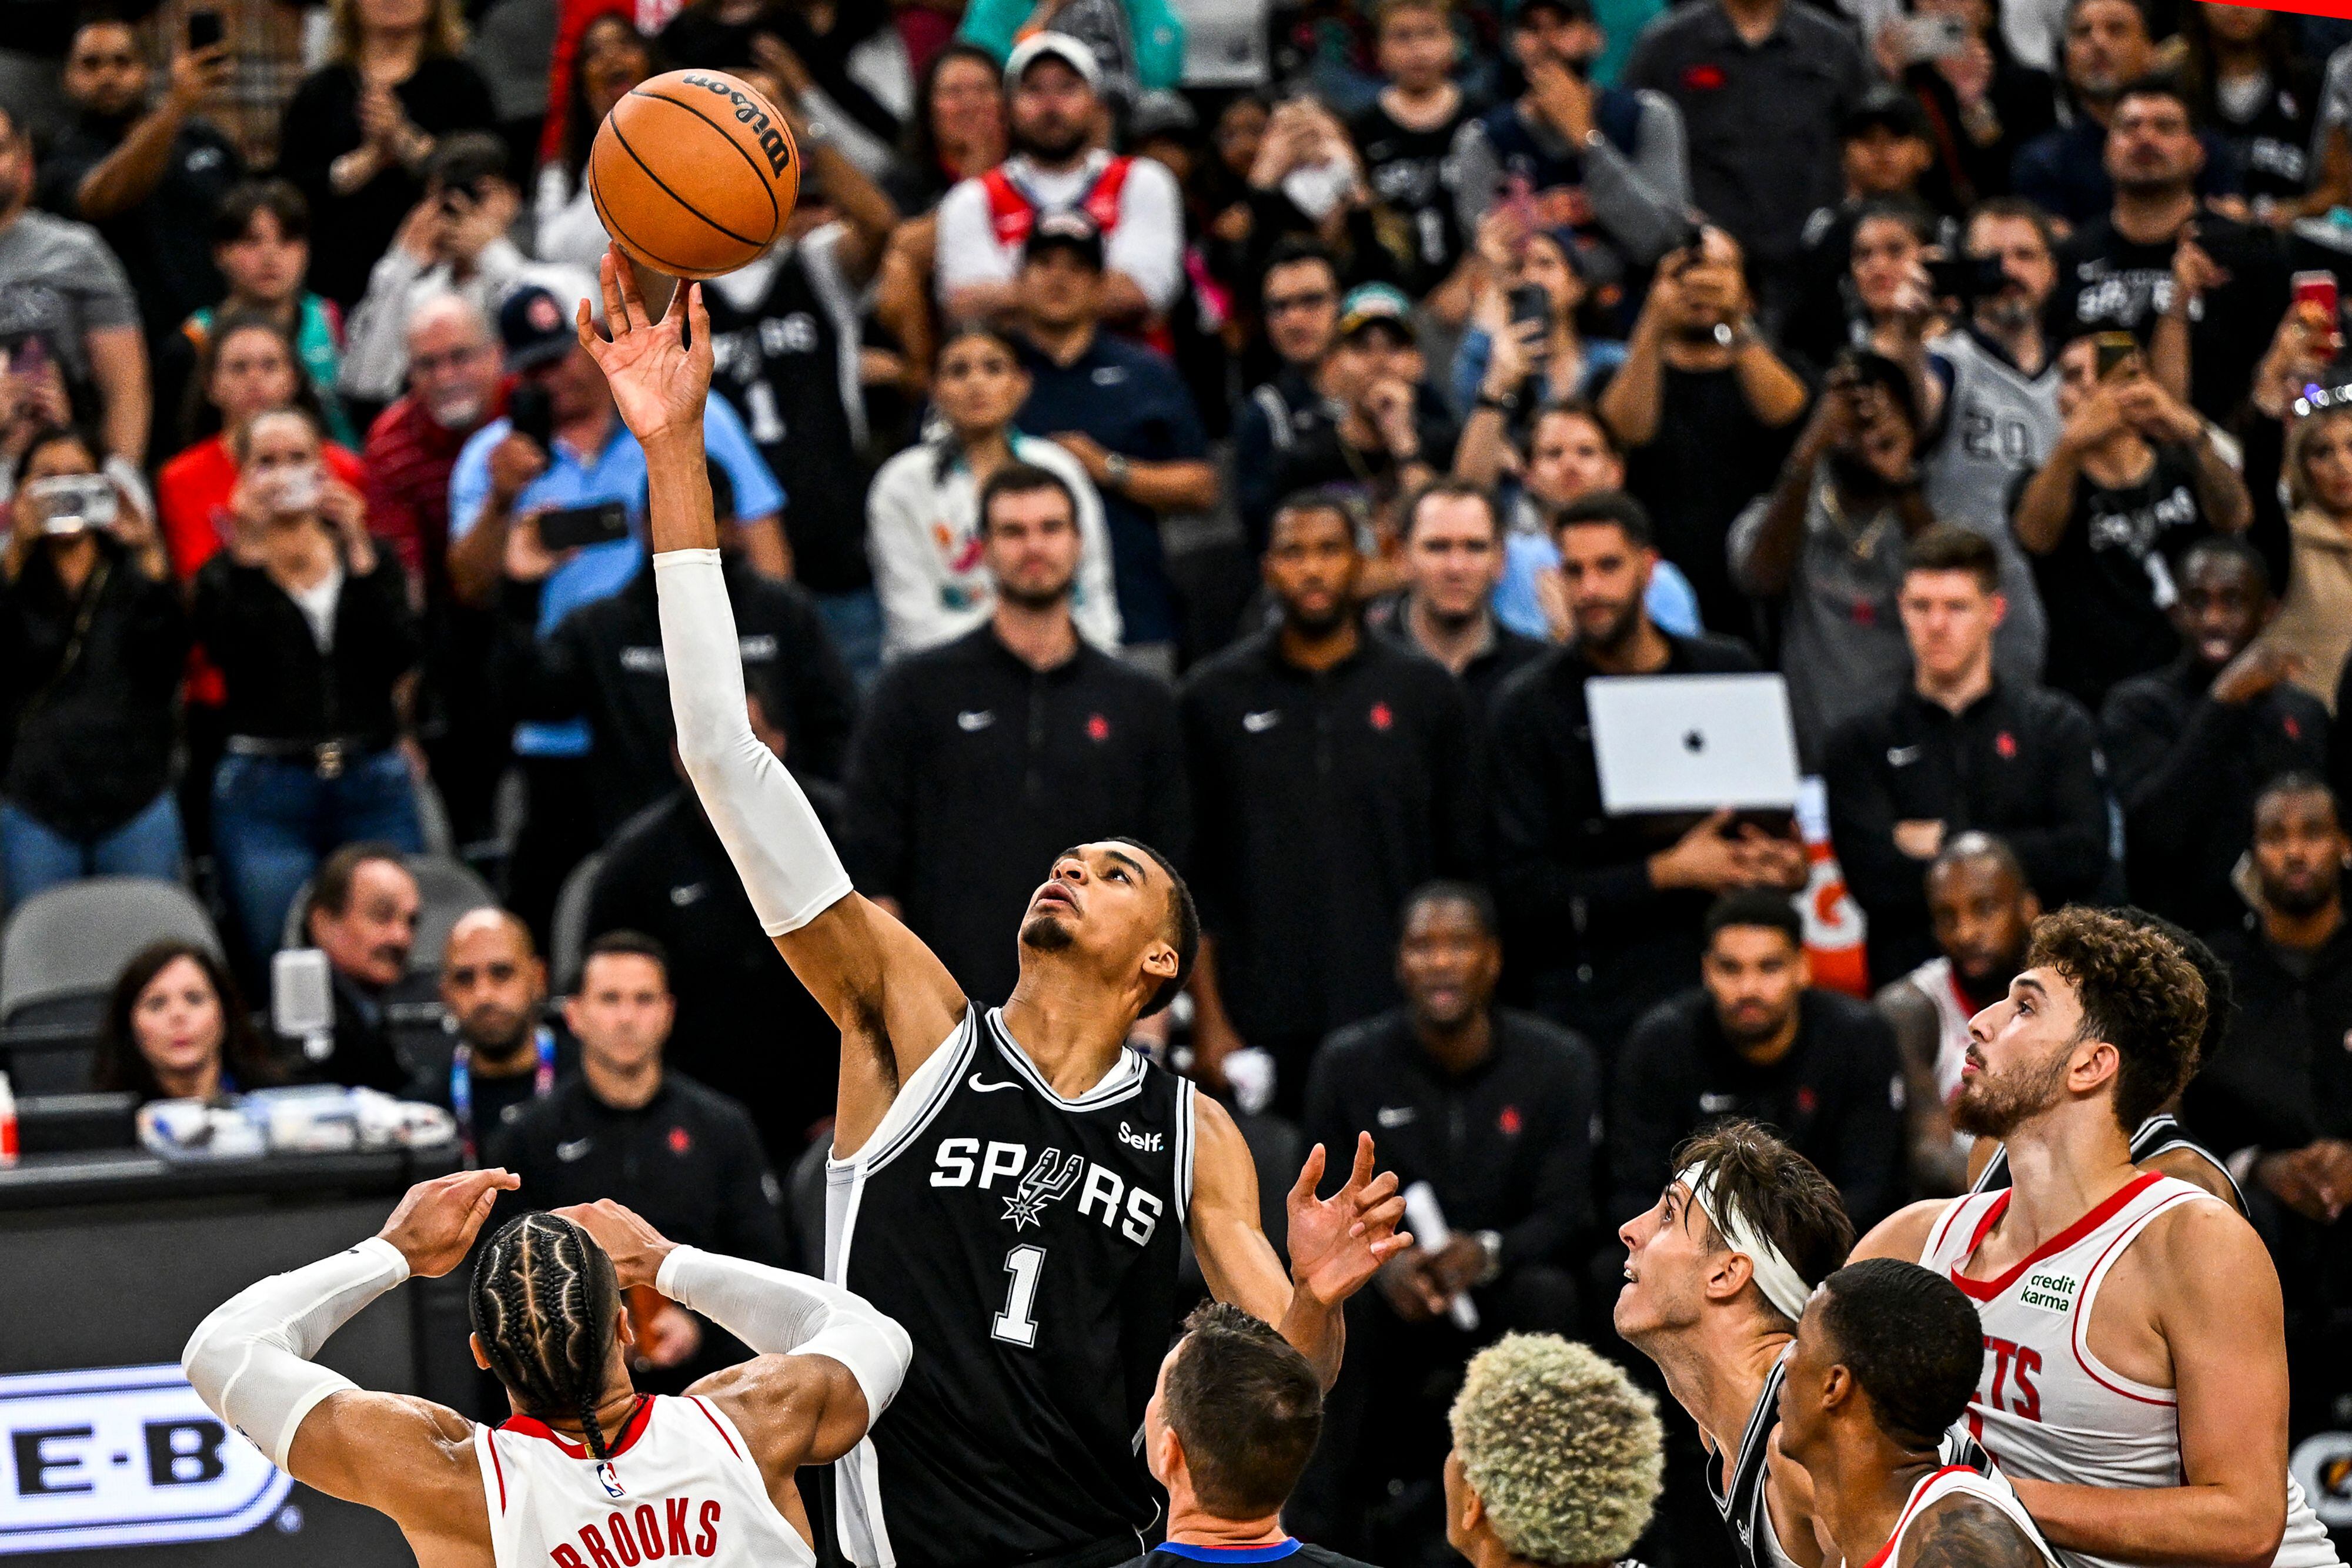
x: 1010, y: 1184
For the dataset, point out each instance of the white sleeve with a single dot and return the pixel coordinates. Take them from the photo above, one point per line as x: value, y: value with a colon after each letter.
x: 967, y: 251
x: 787, y: 864
x: 778, y: 1312
x: 250, y: 1360
x: 1148, y: 242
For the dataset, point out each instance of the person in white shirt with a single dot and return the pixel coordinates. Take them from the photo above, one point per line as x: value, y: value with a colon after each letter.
x: 923, y: 512
x: 1056, y: 113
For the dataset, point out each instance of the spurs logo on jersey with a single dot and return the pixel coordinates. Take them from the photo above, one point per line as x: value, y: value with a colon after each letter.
x: 1028, y: 1242
x: 681, y: 1484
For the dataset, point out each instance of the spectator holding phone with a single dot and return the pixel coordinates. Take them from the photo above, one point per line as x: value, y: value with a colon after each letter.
x: 2134, y: 480
x: 1953, y: 58
x: 1523, y: 349
x: 94, y: 642
x: 309, y: 626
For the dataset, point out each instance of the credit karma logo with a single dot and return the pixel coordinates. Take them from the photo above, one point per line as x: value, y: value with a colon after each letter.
x: 123, y: 1456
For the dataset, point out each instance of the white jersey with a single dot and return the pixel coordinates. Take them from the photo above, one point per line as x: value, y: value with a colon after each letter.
x: 2046, y: 1407
x: 1961, y: 1481
x: 1998, y: 423
x: 681, y: 1483
x: 1936, y: 982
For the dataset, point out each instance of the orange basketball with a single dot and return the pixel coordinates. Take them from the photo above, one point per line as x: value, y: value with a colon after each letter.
x: 693, y: 173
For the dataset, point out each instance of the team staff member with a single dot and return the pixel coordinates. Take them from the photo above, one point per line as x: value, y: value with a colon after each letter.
x: 1756, y: 1040
x: 629, y: 1129
x: 1333, y: 772
x: 493, y: 984
x: 982, y: 758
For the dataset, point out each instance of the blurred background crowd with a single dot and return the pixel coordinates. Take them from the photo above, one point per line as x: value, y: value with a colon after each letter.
x: 1244, y: 424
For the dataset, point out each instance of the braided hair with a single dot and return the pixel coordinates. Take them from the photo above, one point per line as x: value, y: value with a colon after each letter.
x: 543, y: 1301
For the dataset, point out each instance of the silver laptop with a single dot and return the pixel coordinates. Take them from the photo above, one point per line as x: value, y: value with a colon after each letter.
x: 1692, y: 743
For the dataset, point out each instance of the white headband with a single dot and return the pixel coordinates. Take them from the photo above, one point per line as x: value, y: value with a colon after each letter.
x: 1781, y: 1285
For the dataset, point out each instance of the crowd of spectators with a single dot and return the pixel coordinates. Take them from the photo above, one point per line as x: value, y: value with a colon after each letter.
x: 1261, y: 469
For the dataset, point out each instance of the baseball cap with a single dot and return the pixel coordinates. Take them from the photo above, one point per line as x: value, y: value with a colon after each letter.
x: 1883, y: 104
x: 533, y: 328
x: 1072, y: 52
x: 1065, y: 231
x: 1162, y: 113
x: 1376, y: 304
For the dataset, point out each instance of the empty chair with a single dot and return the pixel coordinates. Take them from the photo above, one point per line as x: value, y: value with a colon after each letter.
x: 61, y: 949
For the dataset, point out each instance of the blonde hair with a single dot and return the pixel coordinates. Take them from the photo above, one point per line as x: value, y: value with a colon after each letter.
x: 1563, y: 1451
x: 444, y: 30
x: 2298, y: 436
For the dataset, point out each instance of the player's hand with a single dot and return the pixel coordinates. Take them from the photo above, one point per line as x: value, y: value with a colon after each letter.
x: 636, y: 1248
x: 1338, y: 1243
x: 437, y: 1220
x: 658, y: 380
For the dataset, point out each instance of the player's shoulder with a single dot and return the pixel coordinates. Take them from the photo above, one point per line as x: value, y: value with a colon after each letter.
x: 1904, y: 1233
x: 1966, y: 1529
x: 2202, y: 1233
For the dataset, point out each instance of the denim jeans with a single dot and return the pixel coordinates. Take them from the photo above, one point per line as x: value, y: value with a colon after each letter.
x: 273, y: 820
x: 36, y: 857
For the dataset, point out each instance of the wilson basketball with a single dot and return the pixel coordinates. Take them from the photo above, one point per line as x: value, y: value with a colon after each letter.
x: 693, y: 173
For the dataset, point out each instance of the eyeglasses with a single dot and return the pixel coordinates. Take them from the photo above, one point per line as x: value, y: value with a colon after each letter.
x: 1282, y: 305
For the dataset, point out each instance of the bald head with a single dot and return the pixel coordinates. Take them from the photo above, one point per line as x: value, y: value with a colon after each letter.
x: 1982, y: 911
x: 453, y: 366
x: 492, y: 982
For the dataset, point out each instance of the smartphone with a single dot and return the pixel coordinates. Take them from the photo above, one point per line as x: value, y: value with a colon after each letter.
x: 1966, y: 277
x: 2114, y: 350
x: 205, y: 29
x: 1529, y: 302
x: 530, y: 413
x: 1927, y: 38
x: 2319, y: 288
x: 574, y: 527
x: 71, y: 503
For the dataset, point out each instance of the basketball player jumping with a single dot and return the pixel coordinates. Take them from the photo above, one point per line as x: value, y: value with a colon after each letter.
x: 1012, y: 1185
x: 2134, y: 1388
x: 589, y: 1473
x: 1717, y: 1275
x: 1886, y: 1356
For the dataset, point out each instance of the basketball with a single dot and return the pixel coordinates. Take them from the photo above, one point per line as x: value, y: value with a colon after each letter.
x: 693, y: 173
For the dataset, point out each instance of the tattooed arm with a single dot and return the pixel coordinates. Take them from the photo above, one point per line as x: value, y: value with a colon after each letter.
x: 1963, y: 1532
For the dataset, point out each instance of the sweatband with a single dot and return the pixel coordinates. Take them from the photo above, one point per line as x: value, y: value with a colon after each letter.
x: 1781, y: 1285
x: 787, y: 864
x: 778, y: 1312
x: 250, y: 1360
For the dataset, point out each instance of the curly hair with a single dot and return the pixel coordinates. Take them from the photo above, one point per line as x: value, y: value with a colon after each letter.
x: 1564, y: 1452
x: 2138, y: 992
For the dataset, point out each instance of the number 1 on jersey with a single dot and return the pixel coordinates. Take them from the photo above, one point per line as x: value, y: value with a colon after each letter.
x: 1014, y: 1326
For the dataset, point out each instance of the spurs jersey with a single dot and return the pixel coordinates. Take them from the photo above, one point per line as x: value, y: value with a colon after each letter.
x: 1029, y: 1244
x: 2046, y: 1406
x: 1998, y: 423
x: 1747, y: 1517
x: 2157, y: 1136
x: 681, y: 1484
x: 1960, y: 1479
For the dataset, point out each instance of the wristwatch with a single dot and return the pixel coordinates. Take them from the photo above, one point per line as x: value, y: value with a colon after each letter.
x: 1116, y: 469
x: 1491, y: 1243
x: 1503, y: 404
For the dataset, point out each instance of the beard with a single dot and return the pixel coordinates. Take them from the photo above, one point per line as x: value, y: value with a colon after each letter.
x: 1047, y: 934
x: 1319, y: 623
x: 1033, y: 599
x: 1059, y: 147
x: 1613, y: 634
x: 1994, y: 1106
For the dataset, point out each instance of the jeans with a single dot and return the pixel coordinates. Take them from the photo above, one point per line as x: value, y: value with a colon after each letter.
x: 854, y: 621
x: 275, y: 820
x: 36, y: 857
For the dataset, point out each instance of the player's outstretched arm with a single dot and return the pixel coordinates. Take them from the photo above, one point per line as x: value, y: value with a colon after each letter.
x: 828, y: 1362
x: 1336, y: 1244
x: 2214, y: 1297
x: 873, y: 976
x: 404, y: 1457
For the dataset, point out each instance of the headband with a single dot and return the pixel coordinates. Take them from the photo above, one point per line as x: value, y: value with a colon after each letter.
x: 1781, y: 1285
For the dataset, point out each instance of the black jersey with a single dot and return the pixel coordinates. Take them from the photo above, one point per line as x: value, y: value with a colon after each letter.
x: 1028, y: 1244
x: 2158, y: 1135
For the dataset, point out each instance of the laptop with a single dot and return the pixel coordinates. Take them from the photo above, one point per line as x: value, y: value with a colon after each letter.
x: 1693, y: 743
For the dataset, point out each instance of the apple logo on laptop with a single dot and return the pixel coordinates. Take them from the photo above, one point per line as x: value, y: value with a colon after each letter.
x: 1693, y: 742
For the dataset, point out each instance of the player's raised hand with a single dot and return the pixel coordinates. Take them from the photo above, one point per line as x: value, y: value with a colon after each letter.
x: 1338, y: 1243
x: 437, y: 1220
x: 659, y: 379
x: 636, y: 1248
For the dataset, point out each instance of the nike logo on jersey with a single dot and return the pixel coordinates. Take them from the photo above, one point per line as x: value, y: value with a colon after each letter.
x: 571, y: 1151
x: 1259, y: 723
x: 1902, y: 756
x: 982, y: 1086
x: 1103, y: 1195
x: 1397, y: 1116
x: 972, y: 721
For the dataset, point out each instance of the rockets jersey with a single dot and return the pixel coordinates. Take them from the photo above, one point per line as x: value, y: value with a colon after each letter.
x: 1936, y: 1485
x: 2157, y: 1135
x: 2046, y: 1407
x: 681, y: 1484
x: 1029, y: 1245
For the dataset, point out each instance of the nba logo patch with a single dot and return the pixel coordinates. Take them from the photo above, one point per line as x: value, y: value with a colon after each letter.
x: 608, y: 1478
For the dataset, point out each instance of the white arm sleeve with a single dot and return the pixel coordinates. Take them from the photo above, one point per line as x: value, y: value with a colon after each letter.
x: 778, y: 848
x: 777, y: 1313
x: 250, y: 1360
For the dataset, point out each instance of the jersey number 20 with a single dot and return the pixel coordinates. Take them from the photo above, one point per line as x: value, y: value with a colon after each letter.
x: 1014, y: 1325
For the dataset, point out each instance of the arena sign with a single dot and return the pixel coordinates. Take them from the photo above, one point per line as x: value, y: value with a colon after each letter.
x: 123, y: 1456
